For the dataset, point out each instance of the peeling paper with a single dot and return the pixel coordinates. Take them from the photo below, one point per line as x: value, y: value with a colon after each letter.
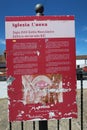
x: 10, y: 80
x: 38, y: 53
x: 51, y: 114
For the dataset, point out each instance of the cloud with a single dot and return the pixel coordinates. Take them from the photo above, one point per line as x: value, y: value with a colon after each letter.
x: 85, y: 40
x: 2, y: 41
x: 85, y: 28
x: 81, y: 40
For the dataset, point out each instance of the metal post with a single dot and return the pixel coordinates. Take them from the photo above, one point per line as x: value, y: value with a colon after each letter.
x: 70, y: 124
x: 81, y: 77
x: 22, y: 125
x: 33, y: 125
x: 10, y: 126
x: 43, y: 125
x: 58, y: 124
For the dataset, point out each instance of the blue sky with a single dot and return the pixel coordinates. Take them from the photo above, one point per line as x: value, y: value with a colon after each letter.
x: 78, y: 8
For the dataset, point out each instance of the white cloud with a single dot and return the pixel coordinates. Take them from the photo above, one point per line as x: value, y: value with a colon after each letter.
x: 2, y: 41
x: 85, y: 28
x: 82, y: 40
x: 85, y: 40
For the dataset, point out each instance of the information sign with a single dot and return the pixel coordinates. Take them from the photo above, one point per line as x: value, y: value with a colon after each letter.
x: 41, y: 67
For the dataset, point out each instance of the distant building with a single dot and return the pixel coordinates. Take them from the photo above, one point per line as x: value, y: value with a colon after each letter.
x: 2, y: 68
x: 81, y: 60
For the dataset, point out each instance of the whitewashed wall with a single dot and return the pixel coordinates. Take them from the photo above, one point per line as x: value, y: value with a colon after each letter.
x: 82, y: 63
x: 3, y: 89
